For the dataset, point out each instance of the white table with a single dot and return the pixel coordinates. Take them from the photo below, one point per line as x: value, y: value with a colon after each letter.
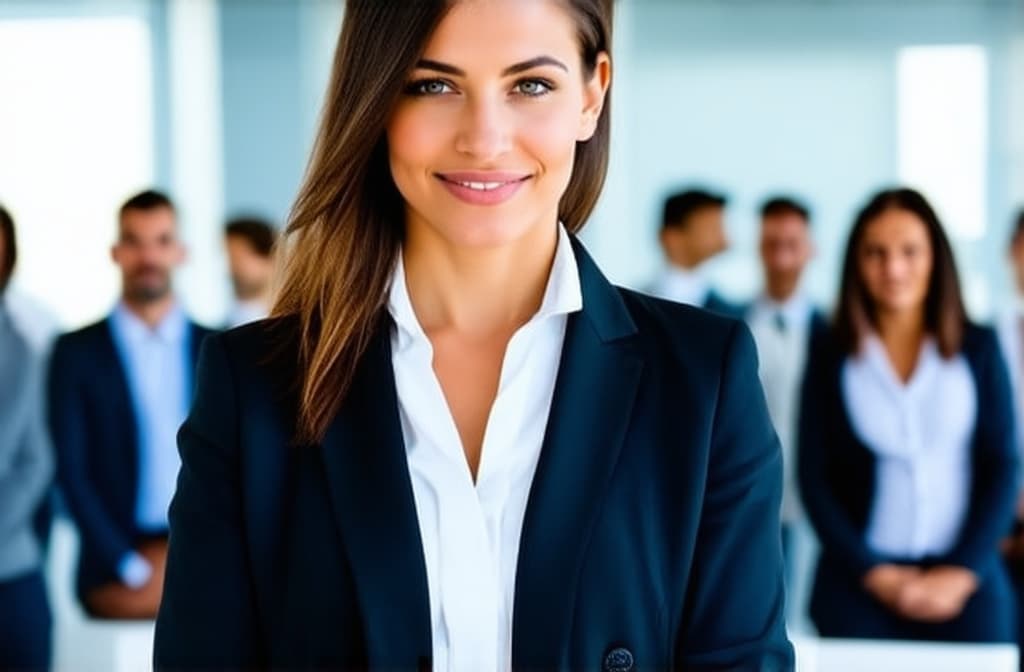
x: 858, y: 655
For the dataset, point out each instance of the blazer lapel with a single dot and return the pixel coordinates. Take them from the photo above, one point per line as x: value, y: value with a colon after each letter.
x: 371, y: 493
x: 590, y: 413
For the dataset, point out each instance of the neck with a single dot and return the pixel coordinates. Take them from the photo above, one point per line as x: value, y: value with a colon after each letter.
x: 901, y: 327
x: 477, y: 291
x: 150, y: 312
x: 781, y: 290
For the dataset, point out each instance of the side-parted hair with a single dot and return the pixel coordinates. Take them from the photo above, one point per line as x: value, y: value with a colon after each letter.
x: 10, y: 248
x: 944, y: 314
x: 348, y: 221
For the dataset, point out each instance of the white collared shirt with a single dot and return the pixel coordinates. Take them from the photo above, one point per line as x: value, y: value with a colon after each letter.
x: 921, y: 435
x: 157, y: 367
x: 471, y: 532
x: 781, y: 333
x: 681, y: 285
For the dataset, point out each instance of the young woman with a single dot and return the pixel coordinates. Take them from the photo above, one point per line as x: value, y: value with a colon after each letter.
x: 907, y: 460
x: 26, y: 473
x: 457, y: 446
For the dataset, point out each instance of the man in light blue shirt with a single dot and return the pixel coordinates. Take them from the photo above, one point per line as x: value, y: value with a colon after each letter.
x: 119, y: 390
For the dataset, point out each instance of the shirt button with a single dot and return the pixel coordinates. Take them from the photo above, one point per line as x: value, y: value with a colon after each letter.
x: 618, y: 660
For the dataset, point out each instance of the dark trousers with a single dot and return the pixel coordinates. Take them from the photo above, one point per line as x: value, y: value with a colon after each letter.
x: 25, y: 624
x: 841, y: 607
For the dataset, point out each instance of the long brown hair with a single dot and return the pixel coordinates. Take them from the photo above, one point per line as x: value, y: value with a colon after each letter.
x: 944, y: 313
x: 346, y: 227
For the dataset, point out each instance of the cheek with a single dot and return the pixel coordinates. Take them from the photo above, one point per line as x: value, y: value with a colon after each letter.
x: 412, y: 140
x: 549, y: 135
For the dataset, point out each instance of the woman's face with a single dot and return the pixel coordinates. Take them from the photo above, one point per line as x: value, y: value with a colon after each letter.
x: 482, y: 143
x: 896, y: 260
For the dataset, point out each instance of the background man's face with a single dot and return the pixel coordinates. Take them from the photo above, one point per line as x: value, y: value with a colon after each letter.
x: 251, y: 273
x: 785, y: 246
x: 701, y: 237
x: 1017, y: 258
x: 147, y: 252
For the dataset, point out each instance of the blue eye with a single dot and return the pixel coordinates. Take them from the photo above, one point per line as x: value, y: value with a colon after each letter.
x: 428, y: 87
x: 534, y: 87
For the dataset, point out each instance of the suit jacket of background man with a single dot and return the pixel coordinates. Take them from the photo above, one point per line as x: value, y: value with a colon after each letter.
x: 651, y: 538
x: 95, y: 436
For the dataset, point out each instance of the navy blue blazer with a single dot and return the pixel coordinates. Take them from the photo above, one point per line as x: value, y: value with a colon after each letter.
x: 95, y: 437
x: 716, y: 303
x: 837, y: 471
x: 651, y: 538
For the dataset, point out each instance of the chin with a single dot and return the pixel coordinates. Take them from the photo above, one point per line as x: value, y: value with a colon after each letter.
x: 482, y: 231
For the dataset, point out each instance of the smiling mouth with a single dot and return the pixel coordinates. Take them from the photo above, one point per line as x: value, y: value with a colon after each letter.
x: 480, y: 185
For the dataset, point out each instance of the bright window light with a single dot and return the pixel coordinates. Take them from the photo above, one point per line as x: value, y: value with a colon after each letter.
x: 76, y: 138
x: 943, y: 132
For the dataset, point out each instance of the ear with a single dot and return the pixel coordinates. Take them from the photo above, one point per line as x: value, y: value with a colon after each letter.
x: 594, y: 93
x: 113, y: 253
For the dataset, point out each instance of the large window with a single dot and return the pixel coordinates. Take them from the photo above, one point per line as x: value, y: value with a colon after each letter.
x: 76, y: 137
x: 943, y: 132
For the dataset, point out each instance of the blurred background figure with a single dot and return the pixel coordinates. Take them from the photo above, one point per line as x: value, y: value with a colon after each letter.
x: 692, y: 232
x: 26, y: 472
x: 119, y: 390
x: 250, y: 243
x: 908, y: 464
x: 1011, y: 337
x: 784, y: 320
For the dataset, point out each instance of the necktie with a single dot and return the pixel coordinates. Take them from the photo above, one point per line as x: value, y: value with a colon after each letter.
x: 779, y: 322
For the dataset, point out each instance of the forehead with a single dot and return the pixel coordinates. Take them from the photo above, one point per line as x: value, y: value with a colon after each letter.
x: 896, y: 224
x: 480, y: 34
x: 788, y: 223
x: 151, y: 221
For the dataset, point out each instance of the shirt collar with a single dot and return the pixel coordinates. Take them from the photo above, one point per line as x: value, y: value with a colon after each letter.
x: 796, y: 309
x: 171, y: 329
x: 874, y: 355
x: 562, y: 295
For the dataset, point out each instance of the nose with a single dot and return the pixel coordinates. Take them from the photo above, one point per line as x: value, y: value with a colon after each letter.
x: 485, y: 129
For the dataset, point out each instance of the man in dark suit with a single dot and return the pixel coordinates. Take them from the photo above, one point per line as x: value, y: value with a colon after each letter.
x: 119, y: 389
x: 692, y: 232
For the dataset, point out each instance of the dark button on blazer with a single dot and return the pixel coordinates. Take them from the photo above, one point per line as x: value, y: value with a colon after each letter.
x: 651, y: 531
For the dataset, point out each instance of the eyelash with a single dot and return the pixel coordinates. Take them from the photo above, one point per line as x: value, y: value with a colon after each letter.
x: 417, y: 88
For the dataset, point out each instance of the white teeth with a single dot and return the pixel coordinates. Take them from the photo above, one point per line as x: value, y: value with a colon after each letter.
x: 481, y: 186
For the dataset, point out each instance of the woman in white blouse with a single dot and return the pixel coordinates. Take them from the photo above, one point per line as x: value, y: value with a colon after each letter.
x: 457, y: 446
x: 906, y: 456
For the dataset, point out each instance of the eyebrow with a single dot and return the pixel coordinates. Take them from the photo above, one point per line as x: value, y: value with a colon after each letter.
x: 427, y: 64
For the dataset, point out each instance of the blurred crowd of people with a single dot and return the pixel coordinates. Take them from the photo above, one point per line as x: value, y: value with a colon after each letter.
x: 898, y: 418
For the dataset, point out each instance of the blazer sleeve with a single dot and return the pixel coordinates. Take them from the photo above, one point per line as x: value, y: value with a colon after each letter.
x: 994, y: 481
x: 736, y: 598
x: 836, y: 530
x: 26, y: 476
x: 207, y: 617
x: 69, y: 433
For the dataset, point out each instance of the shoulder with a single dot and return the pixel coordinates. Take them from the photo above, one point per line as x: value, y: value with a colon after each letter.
x: 265, y: 350
x: 84, y: 339
x: 981, y: 348
x: 682, y: 333
x: 979, y: 340
x: 200, y: 331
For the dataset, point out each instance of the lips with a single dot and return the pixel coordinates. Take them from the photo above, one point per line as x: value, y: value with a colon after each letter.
x: 483, y: 188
